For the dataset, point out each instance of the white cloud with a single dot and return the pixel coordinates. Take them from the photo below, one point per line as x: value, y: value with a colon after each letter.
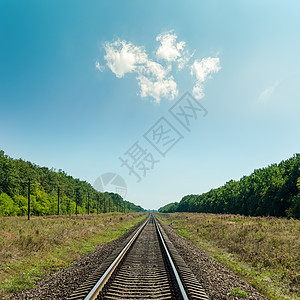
x: 202, y: 70
x: 123, y: 57
x: 154, y: 78
x: 154, y: 69
x: 266, y: 94
x: 169, y: 49
x: 155, y: 81
x: 204, y: 67
x: 157, y: 89
x: 198, y: 90
x: 99, y: 67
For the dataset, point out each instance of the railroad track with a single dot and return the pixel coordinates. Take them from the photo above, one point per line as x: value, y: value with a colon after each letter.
x: 146, y: 266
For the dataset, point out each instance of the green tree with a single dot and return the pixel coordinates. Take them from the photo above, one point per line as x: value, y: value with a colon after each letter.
x: 7, y: 207
x: 271, y: 191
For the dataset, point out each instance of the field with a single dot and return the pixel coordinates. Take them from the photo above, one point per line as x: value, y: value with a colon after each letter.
x: 264, y: 251
x: 29, y: 250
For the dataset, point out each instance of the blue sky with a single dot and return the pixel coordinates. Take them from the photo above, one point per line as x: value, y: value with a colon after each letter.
x: 59, y: 110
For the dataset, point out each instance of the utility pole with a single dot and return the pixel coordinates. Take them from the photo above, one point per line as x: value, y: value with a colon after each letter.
x: 97, y: 203
x: 77, y: 198
x: 76, y: 208
x: 58, y: 190
x: 28, y: 199
x: 88, y: 201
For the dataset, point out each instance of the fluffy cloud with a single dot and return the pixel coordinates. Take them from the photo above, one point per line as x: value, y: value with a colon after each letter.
x: 122, y: 57
x: 169, y: 49
x: 198, y: 90
x: 156, y: 70
x: 157, y: 89
x: 154, y: 77
x: 155, y: 82
x: 202, y: 70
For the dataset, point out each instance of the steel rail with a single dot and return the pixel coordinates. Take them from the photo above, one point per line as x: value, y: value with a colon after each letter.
x: 177, y: 277
x: 105, y: 277
x: 94, y: 292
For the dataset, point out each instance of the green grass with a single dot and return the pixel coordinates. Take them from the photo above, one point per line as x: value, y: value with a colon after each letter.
x: 264, y: 251
x: 238, y: 292
x: 29, y: 250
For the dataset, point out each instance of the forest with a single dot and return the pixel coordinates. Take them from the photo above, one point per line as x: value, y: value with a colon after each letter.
x: 270, y: 191
x: 51, y: 192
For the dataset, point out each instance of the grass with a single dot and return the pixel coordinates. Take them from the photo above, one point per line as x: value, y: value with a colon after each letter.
x: 238, y: 292
x: 264, y: 251
x: 29, y: 250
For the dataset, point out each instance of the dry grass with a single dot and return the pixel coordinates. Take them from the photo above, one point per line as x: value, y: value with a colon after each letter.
x: 265, y: 251
x: 31, y: 249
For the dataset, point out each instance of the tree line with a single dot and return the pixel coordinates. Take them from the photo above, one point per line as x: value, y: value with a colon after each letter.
x: 51, y: 192
x: 270, y: 191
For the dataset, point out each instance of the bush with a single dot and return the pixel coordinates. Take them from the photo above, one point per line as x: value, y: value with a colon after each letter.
x: 7, y: 207
x: 22, y: 204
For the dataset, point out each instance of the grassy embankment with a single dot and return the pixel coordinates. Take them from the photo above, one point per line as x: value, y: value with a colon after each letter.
x: 29, y: 250
x: 264, y: 251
